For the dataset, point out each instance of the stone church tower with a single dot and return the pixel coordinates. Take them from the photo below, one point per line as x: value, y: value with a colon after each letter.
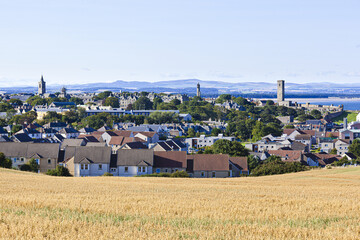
x: 198, y: 90
x: 280, y: 91
x: 42, y: 86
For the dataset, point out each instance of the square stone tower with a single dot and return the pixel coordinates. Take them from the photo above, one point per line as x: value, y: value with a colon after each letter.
x: 280, y: 91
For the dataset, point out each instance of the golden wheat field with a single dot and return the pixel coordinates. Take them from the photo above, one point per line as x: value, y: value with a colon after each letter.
x: 318, y: 204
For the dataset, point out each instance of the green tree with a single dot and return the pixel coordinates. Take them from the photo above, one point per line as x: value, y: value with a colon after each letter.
x: 156, y: 102
x: 5, y: 162
x: 16, y: 101
x: 253, y: 162
x: 31, y: 166
x: 112, y: 101
x: 233, y: 148
x: 163, y: 117
x: 76, y: 100
x: 191, y: 132
x: 5, y: 106
x: 333, y: 151
x: 215, y: 131
x: 102, y: 95
x: 316, y: 114
x: 354, y: 148
x: 142, y: 103
x: 60, y: 171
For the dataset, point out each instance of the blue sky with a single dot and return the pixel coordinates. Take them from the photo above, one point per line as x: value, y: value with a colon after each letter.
x: 230, y: 40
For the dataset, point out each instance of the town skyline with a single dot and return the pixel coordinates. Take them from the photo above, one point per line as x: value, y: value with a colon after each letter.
x: 232, y: 41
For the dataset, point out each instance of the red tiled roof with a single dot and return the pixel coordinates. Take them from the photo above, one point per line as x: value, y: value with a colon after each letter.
x: 211, y: 162
x: 240, y: 162
x: 287, y: 155
x: 174, y: 159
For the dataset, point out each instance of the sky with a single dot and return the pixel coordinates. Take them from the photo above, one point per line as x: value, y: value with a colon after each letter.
x: 153, y: 40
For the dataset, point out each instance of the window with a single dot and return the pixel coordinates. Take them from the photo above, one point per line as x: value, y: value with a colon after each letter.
x: 158, y: 170
x: 112, y: 169
x: 100, y: 166
x: 86, y: 166
x: 49, y: 161
x: 126, y: 169
x: 22, y: 159
x: 203, y: 174
x: 82, y: 166
x: 213, y: 174
x: 144, y: 169
x: 14, y: 160
x: 139, y: 169
x: 166, y: 170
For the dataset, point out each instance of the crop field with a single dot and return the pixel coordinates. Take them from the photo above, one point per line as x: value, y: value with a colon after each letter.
x: 317, y: 204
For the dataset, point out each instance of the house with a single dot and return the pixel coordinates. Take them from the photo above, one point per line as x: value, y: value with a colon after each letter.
x: 133, y: 145
x: 286, y: 119
x: 305, y: 139
x: 349, y: 134
x: 73, y: 143
x: 3, y: 132
x: 69, y: 132
x: 288, y: 155
x: 169, y: 162
x: 185, y: 117
x: 208, y: 165
x: 203, y: 141
x: 32, y: 133
x: 104, y: 128
x: 86, y: 131
x: 169, y: 145
x: 5, y: 139
x: 260, y: 155
x: 238, y: 166
x: 46, y: 154
x: 21, y: 137
x: 148, y: 137
x: 88, y: 161
x: 342, y: 146
x: 55, y: 125
x: 350, y: 156
x: 134, y: 162
x: 320, y: 159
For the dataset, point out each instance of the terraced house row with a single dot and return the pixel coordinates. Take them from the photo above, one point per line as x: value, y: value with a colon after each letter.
x: 97, y: 160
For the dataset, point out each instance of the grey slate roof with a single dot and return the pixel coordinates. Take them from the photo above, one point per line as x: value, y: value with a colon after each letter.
x: 28, y: 150
x: 135, y: 157
x: 92, y: 154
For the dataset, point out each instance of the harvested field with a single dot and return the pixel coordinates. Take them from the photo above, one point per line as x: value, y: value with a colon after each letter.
x: 317, y: 204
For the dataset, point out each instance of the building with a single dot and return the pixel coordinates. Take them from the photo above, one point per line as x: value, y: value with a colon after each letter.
x: 133, y: 162
x: 280, y: 91
x: 42, y: 86
x: 198, y: 93
x: 208, y: 165
x: 169, y: 162
x: 203, y: 141
x: 45, y: 154
x: 87, y: 161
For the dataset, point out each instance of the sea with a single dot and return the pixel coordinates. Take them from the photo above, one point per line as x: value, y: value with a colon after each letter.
x: 349, y: 103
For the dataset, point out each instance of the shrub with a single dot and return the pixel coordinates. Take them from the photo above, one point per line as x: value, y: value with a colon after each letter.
x: 5, y: 162
x: 25, y: 167
x: 107, y: 174
x: 273, y: 166
x: 180, y: 174
x: 60, y: 171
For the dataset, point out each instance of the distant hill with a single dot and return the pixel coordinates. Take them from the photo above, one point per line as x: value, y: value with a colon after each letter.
x: 188, y: 86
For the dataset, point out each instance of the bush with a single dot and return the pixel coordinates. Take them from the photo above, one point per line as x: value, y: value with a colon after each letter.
x: 275, y: 166
x: 180, y: 174
x: 107, y: 174
x: 177, y: 174
x: 25, y: 167
x: 5, y: 162
x: 59, y: 171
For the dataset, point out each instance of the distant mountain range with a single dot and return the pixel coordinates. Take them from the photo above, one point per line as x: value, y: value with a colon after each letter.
x: 188, y: 86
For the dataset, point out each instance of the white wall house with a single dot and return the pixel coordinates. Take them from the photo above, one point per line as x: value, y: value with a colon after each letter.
x: 133, y: 162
